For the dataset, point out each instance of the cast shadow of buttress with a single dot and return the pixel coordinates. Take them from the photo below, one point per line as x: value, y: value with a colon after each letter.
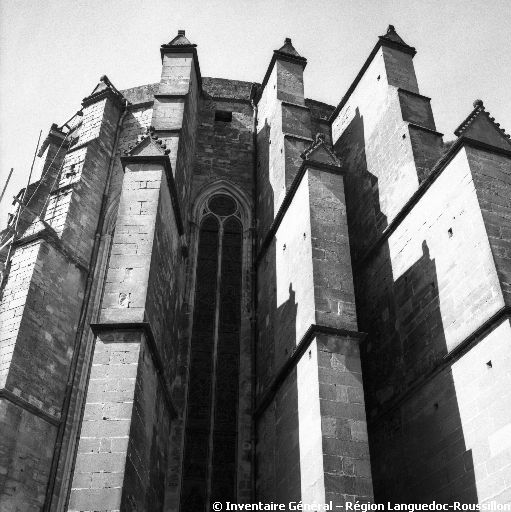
x: 277, y: 451
x: 418, y: 451
x: 287, y: 462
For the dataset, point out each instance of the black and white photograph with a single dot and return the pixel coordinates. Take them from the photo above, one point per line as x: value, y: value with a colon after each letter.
x: 255, y: 255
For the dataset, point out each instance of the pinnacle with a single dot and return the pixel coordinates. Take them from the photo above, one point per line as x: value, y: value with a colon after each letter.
x: 392, y: 35
x: 148, y: 136
x: 288, y: 48
x: 103, y: 84
x: 478, y: 113
x: 179, y: 40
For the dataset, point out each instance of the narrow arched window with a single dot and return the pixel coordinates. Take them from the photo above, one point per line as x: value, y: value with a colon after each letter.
x: 209, y: 466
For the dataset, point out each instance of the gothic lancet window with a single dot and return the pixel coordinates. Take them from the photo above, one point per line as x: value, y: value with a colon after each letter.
x: 209, y: 464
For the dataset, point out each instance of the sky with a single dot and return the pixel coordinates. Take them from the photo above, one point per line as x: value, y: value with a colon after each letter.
x: 53, y: 52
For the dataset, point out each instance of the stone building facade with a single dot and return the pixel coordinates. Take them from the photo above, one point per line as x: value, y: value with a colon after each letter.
x: 225, y: 291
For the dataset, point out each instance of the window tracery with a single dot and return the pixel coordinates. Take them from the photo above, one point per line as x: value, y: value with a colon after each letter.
x: 209, y: 470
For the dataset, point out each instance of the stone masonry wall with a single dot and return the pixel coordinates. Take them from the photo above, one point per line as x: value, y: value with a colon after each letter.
x: 37, y: 370
x: 185, y: 161
x: 148, y: 449
x: 23, y: 458
x: 104, y: 436
x: 223, y: 159
x: 428, y: 288
x: 225, y: 149
x: 451, y: 436
x: 123, y: 449
x: 437, y: 396
x: 312, y: 284
x: 53, y: 273
x: 165, y: 284
x: 346, y: 461
x: 333, y: 278
x: 271, y: 184
x: 127, y: 278
x: 142, y: 289
x: 482, y: 383
x: 492, y: 179
x: 385, y: 155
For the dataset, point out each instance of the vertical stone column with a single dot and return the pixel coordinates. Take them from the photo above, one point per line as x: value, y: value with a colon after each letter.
x: 311, y: 415
x: 175, y: 111
x: 124, y: 438
x: 334, y: 450
x: 42, y: 299
x: 310, y: 412
x: 283, y: 131
x: 384, y: 132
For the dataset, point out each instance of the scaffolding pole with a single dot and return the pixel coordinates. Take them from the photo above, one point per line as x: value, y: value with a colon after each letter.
x: 18, y: 215
x: 6, y: 183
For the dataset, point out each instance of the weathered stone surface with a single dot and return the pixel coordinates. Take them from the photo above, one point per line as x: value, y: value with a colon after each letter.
x: 43, y: 295
x: 369, y: 358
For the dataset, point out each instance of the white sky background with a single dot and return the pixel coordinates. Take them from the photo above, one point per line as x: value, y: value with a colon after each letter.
x: 53, y: 52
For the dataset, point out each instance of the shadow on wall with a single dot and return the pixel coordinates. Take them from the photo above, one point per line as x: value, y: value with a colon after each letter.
x: 287, y: 453
x: 265, y: 197
x: 418, y: 451
x: 277, y: 451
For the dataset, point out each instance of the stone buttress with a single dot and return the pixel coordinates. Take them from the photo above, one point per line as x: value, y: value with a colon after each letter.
x: 310, y: 417
x: 42, y: 297
x: 123, y: 454
x: 221, y: 290
x: 429, y: 244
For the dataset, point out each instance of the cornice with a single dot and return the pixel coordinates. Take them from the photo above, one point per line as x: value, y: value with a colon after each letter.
x: 136, y: 106
x: 22, y: 403
x: 412, y: 93
x: 384, y: 41
x: 292, y: 361
x: 48, y: 234
x: 230, y: 100
x: 292, y: 104
x: 180, y: 96
x: 297, y: 137
x: 116, y: 96
x: 424, y: 129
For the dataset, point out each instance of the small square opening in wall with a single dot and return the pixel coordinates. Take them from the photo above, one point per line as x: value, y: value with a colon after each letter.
x: 223, y: 116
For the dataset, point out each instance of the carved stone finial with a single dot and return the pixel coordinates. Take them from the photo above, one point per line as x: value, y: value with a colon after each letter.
x: 287, y: 40
x: 181, y: 33
x: 391, y: 29
x: 478, y: 103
